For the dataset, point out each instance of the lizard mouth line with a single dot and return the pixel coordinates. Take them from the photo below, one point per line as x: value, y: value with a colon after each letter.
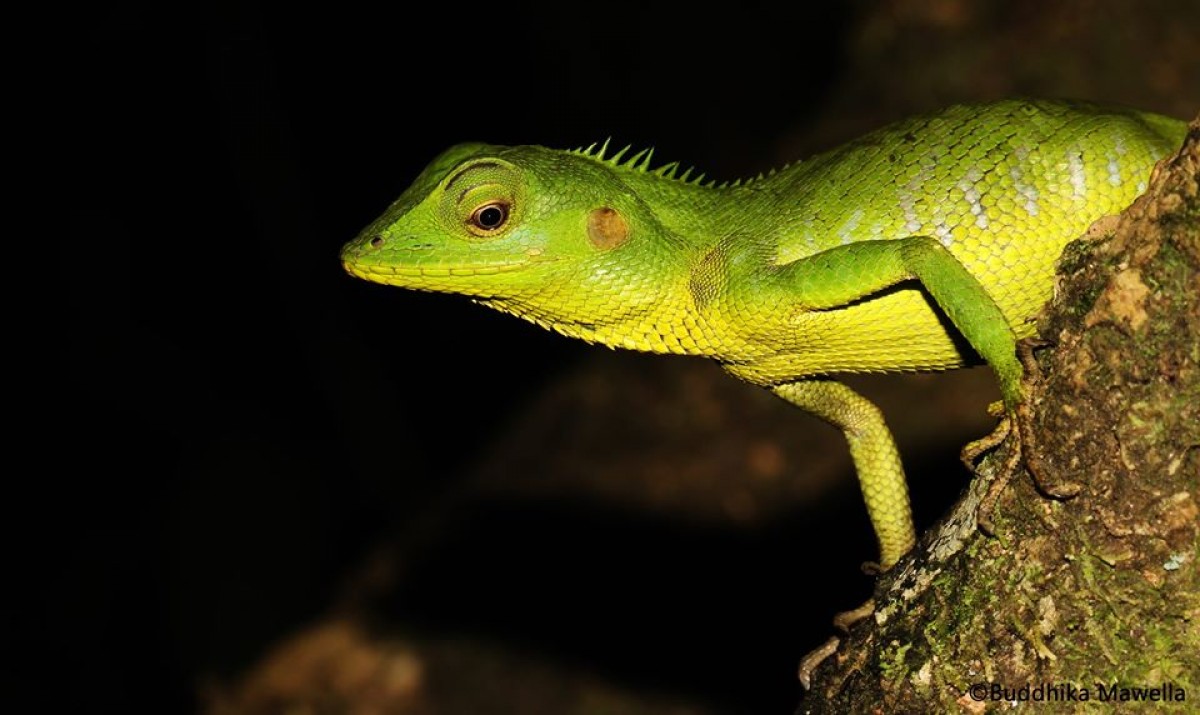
x: 377, y: 272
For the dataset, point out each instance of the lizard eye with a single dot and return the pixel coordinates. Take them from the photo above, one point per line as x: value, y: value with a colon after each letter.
x: 489, y: 217
x: 483, y: 199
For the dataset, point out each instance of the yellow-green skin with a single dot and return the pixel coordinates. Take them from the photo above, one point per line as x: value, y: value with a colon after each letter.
x: 881, y: 255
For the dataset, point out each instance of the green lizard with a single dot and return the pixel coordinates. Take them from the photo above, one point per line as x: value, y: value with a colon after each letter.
x: 867, y: 258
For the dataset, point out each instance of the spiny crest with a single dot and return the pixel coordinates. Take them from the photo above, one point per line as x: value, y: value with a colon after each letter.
x: 640, y: 162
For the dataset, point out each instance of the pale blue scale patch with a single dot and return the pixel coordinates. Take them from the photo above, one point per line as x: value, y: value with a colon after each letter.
x: 943, y: 233
x: 847, y: 231
x: 1114, y: 171
x: 908, y: 206
x: 1027, y: 190
x: 1114, y: 163
x: 969, y: 185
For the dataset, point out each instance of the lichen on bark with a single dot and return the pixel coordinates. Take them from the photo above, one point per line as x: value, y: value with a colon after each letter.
x: 1074, y: 595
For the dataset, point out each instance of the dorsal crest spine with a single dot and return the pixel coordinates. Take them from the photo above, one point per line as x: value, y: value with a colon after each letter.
x: 641, y: 163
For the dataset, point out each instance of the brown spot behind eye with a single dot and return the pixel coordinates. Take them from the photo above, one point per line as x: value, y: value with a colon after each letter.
x: 607, y: 229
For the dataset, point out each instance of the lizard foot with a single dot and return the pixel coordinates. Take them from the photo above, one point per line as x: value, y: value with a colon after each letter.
x: 809, y: 663
x: 974, y: 449
x: 983, y: 513
x: 842, y: 621
x: 1027, y: 443
x: 845, y: 619
x: 1024, y: 448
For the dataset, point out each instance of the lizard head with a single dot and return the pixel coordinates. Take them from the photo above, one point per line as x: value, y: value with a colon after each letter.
x: 556, y: 237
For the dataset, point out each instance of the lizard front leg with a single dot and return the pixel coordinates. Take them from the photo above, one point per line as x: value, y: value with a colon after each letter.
x: 880, y: 475
x: 836, y: 277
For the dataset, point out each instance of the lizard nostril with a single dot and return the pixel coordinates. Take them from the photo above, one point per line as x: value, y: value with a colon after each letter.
x: 376, y: 241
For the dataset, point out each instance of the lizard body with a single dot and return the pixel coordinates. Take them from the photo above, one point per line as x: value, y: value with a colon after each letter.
x: 881, y: 255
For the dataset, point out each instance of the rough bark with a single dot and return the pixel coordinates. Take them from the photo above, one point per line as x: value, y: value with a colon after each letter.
x: 1075, y: 602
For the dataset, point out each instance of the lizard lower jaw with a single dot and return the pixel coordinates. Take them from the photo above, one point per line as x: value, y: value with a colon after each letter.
x: 402, y: 275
